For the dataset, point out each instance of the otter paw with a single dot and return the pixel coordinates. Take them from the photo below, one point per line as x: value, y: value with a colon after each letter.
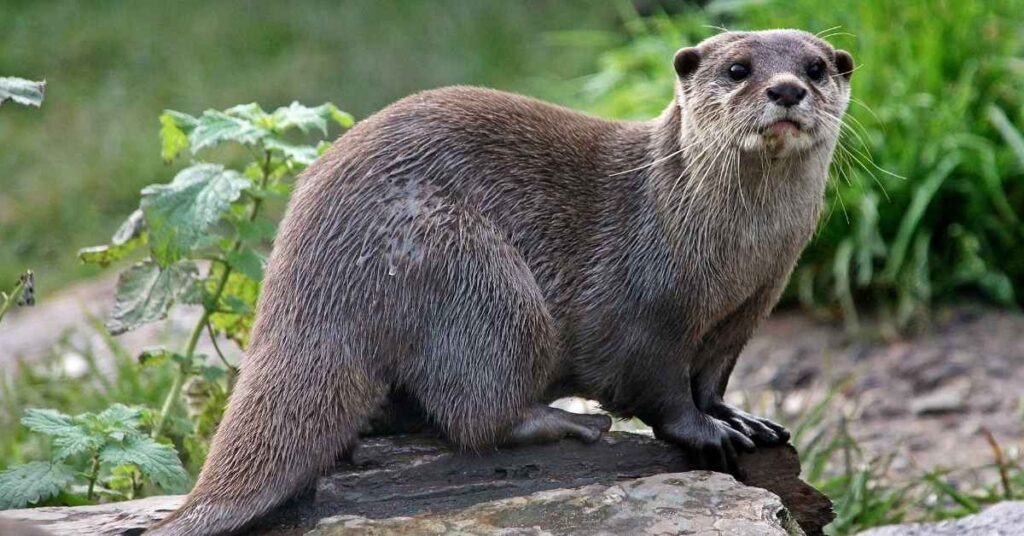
x: 709, y: 442
x: 762, y: 431
x: 545, y: 424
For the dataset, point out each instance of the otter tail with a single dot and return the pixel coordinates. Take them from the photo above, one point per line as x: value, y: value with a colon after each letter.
x: 291, y: 416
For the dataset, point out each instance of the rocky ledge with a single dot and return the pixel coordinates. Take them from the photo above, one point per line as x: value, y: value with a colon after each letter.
x: 624, y: 484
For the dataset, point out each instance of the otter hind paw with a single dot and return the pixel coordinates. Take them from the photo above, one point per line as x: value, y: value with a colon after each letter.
x: 545, y: 424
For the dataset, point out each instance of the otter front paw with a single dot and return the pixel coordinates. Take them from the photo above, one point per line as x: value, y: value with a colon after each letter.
x: 710, y: 443
x: 762, y: 431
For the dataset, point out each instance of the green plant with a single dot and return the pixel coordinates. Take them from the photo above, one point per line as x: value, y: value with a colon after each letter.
x: 22, y: 91
x: 106, y: 454
x: 928, y: 185
x: 22, y: 294
x: 28, y: 93
x: 211, y: 213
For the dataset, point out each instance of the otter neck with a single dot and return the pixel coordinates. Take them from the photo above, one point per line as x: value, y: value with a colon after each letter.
x: 701, y: 182
x: 733, y: 222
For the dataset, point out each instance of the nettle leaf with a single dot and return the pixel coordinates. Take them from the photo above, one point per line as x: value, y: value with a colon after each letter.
x: 180, y: 214
x: 146, y: 291
x: 215, y: 127
x: 247, y: 262
x: 69, y: 437
x: 119, y: 417
x: 255, y: 231
x: 156, y: 460
x: 253, y: 113
x: 22, y: 91
x: 129, y: 236
x: 303, y: 117
x: 300, y: 154
x: 156, y: 355
x: 32, y: 482
x: 344, y: 119
x: 239, y: 297
x: 173, y: 139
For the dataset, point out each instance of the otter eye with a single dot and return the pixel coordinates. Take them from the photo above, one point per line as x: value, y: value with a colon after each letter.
x: 739, y: 71
x: 816, y: 71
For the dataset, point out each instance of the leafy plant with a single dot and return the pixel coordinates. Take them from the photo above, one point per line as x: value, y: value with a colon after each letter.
x: 106, y: 453
x: 928, y: 186
x: 22, y: 294
x: 22, y: 91
x: 209, y: 213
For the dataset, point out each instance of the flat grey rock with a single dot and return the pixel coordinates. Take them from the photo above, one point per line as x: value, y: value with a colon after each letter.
x: 696, y: 503
x: 419, y: 478
x: 1003, y: 519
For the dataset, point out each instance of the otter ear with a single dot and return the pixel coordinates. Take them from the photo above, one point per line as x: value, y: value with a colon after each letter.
x: 686, y: 61
x: 844, y: 63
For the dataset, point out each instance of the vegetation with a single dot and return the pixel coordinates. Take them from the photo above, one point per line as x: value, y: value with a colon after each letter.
x: 928, y: 188
x: 72, y: 170
x: 106, y: 454
x: 208, y: 212
x: 925, y: 202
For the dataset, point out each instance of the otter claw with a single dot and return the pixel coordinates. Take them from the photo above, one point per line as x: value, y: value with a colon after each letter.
x: 710, y: 443
x: 762, y: 431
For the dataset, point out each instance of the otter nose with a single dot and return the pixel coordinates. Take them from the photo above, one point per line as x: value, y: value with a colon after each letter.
x: 786, y: 94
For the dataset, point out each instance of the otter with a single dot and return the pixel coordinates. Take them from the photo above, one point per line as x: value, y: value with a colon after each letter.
x: 474, y: 255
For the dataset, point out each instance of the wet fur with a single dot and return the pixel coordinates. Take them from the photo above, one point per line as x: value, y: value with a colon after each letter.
x: 479, y: 252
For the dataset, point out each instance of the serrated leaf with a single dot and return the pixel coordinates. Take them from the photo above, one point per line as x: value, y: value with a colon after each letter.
x: 69, y: 438
x: 215, y: 127
x: 253, y: 113
x: 247, y: 262
x: 48, y: 421
x: 145, y: 292
x: 22, y: 91
x: 344, y: 119
x: 240, y: 294
x: 120, y: 418
x: 256, y: 231
x: 159, y: 462
x: 302, y: 117
x: 300, y: 154
x: 32, y: 482
x: 129, y: 236
x: 180, y: 214
x: 211, y: 374
x: 173, y: 139
x: 156, y: 355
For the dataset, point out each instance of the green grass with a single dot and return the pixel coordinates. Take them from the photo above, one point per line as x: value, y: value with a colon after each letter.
x: 928, y: 190
x: 865, y: 493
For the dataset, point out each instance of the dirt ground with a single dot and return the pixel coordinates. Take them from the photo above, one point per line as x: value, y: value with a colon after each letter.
x: 926, y: 399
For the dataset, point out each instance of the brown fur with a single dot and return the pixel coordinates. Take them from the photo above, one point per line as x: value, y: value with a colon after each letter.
x: 479, y: 253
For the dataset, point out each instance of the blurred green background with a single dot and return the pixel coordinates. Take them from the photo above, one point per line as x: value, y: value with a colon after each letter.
x: 925, y: 203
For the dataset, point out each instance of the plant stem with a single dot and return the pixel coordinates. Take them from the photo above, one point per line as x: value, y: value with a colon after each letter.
x: 185, y: 367
x: 11, y: 299
x: 94, y: 473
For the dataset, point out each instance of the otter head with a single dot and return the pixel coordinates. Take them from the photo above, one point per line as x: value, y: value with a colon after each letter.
x: 778, y: 92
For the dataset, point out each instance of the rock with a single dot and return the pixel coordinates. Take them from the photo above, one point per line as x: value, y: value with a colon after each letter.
x: 418, y: 475
x: 949, y: 399
x: 1003, y: 519
x: 698, y: 502
x: 122, y: 518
